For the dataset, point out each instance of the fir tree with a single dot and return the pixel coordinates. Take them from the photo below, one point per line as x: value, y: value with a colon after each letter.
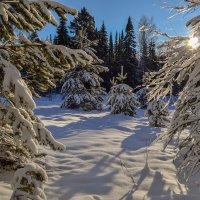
x: 62, y: 37
x: 116, y: 45
x: 82, y: 88
x: 118, y: 49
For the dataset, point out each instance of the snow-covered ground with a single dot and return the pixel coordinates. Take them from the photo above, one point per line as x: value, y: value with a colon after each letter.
x: 105, y: 158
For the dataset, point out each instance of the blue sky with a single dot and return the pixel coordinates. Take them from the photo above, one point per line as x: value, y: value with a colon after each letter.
x: 115, y: 14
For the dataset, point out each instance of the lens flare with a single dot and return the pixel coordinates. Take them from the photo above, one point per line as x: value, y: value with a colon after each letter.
x: 194, y: 42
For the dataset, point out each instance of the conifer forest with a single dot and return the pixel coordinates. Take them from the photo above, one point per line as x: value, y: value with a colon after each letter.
x: 99, y: 106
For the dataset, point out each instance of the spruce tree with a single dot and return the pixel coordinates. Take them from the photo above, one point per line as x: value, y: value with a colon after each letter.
x: 129, y: 41
x: 62, y: 37
x: 82, y: 88
x: 103, y: 53
x: 129, y: 54
x: 102, y: 46
x: 118, y: 49
x: 84, y: 21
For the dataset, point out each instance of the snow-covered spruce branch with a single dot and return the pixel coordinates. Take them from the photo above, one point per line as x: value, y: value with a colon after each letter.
x: 182, y: 66
x: 10, y: 2
x: 29, y: 16
x: 52, y: 59
x: 21, y: 131
x: 28, y: 183
x: 180, y: 9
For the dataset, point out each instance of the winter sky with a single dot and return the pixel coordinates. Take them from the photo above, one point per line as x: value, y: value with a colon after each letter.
x: 116, y: 12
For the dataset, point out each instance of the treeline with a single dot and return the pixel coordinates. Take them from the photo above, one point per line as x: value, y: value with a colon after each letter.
x: 137, y: 55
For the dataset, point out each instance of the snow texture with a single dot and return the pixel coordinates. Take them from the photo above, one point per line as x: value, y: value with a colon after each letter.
x: 82, y: 87
x: 106, y: 158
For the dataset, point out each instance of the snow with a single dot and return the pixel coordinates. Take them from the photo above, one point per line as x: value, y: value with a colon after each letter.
x: 34, y: 175
x: 105, y: 158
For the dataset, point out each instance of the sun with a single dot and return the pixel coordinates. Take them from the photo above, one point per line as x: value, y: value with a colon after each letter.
x: 194, y: 42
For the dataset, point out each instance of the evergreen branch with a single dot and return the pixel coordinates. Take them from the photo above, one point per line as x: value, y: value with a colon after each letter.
x: 23, y: 45
x: 10, y: 2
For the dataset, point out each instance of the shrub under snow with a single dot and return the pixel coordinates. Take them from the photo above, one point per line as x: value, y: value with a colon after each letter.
x: 28, y: 183
x: 123, y: 100
x: 121, y: 97
x: 157, y: 114
x: 82, y: 84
